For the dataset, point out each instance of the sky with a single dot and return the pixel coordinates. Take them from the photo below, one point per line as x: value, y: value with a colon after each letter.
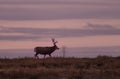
x: 25, y: 24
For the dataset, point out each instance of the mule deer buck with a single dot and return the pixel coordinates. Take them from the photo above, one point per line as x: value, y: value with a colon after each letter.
x: 46, y: 50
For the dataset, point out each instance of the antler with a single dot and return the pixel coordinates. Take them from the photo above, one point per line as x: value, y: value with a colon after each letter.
x: 53, y: 40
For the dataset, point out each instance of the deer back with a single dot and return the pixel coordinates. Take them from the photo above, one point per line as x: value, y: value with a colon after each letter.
x: 44, y: 50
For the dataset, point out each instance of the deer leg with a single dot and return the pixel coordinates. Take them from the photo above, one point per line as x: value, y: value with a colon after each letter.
x: 36, y: 55
x: 44, y: 55
x: 50, y: 55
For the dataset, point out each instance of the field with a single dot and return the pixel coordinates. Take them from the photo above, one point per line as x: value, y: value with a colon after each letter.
x: 102, y: 67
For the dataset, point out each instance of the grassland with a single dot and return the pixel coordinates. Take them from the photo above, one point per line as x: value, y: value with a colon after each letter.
x: 102, y: 67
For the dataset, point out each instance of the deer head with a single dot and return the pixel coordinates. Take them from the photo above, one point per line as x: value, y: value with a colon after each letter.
x: 54, y: 43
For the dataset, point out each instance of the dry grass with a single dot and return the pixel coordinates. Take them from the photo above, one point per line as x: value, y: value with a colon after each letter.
x: 102, y: 67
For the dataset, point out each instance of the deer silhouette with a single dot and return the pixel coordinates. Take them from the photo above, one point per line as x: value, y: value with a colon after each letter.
x: 46, y: 50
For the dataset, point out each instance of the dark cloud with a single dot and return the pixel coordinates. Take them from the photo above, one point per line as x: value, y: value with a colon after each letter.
x: 79, y: 2
x: 99, y: 27
x: 17, y: 37
x: 37, y: 33
x: 84, y: 9
x: 57, y: 13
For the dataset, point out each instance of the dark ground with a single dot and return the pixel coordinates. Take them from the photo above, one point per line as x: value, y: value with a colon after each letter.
x: 102, y: 67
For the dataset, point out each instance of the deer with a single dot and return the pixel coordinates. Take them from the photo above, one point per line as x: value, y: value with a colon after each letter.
x: 46, y: 50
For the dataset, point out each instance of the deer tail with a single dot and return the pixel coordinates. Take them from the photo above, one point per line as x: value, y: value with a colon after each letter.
x: 35, y: 49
